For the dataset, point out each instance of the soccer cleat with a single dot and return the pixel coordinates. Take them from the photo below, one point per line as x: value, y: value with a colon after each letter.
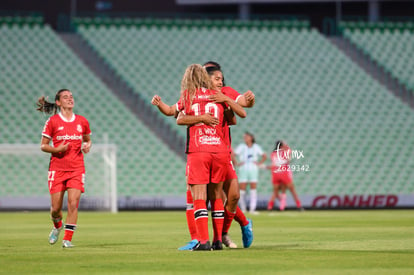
x: 67, y: 244
x: 202, y: 247
x: 217, y: 245
x: 228, y: 242
x: 247, y: 234
x: 189, y: 246
x: 54, y: 235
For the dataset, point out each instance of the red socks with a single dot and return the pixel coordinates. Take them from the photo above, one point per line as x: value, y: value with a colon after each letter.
x: 217, y: 212
x: 190, y: 216
x: 298, y: 204
x: 270, y: 205
x: 228, y: 218
x: 69, y: 229
x: 240, y: 217
x: 57, y: 222
x: 201, y: 220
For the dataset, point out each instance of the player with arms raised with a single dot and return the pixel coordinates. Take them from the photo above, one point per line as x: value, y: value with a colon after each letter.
x: 70, y: 135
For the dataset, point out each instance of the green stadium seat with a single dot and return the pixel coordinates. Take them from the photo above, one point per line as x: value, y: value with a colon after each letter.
x: 37, y: 62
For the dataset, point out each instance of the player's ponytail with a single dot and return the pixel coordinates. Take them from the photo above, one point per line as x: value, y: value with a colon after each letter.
x: 45, y: 106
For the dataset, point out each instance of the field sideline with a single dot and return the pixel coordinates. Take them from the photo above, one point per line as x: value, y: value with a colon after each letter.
x: 311, y: 242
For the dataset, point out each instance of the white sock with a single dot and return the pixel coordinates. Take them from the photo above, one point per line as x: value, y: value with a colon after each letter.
x: 253, y: 200
x: 242, y: 200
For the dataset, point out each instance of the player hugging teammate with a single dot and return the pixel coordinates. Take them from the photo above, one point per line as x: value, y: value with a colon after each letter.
x: 207, y: 107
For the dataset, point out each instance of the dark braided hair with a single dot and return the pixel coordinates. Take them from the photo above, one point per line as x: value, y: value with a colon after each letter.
x: 213, y: 64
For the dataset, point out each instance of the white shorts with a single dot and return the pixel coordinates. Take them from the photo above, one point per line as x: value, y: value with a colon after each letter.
x: 248, y: 174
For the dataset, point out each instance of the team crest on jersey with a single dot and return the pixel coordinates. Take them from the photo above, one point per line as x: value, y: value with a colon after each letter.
x: 79, y: 128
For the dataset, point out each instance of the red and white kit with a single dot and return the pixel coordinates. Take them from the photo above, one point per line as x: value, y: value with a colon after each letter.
x: 233, y: 94
x: 66, y: 169
x: 207, y: 150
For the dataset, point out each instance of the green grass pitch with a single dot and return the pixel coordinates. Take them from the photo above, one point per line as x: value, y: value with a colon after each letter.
x: 310, y: 242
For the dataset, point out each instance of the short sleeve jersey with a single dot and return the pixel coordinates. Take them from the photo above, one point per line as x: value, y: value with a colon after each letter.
x: 249, y: 155
x: 233, y: 94
x: 201, y: 137
x: 59, y: 129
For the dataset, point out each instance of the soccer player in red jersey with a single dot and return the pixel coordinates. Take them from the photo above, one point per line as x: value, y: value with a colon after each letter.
x: 231, y: 186
x: 206, y: 151
x: 282, y: 176
x: 246, y: 100
x: 70, y: 135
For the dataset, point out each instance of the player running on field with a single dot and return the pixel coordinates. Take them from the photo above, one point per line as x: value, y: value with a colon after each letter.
x: 70, y: 135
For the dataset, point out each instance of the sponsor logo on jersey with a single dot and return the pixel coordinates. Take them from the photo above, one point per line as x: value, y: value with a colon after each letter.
x: 60, y: 128
x: 79, y: 128
x: 207, y: 131
x: 208, y: 140
x: 68, y: 137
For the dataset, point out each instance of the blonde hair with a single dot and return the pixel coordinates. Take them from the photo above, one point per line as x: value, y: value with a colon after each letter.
x: 195, y: 77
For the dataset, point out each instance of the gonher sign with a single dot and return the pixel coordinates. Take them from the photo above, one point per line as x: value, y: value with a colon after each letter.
x: 355, y: 201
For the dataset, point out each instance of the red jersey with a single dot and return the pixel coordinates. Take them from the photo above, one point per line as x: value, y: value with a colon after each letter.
x: 59, y: 129
x: 233, y: 94
x: 201, y: 137
x: 230, y: 92
x: 280, y: 159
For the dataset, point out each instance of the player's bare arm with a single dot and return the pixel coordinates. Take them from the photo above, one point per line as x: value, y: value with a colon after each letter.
x: 247, y: 100
x: 87, y: 143
x: 45, y: 146
x: 207, y: 119
x: 163, y: 107
x: 235, y: 161
x: 219, y: 97
x: 262, y: 160
x: 230, y: 117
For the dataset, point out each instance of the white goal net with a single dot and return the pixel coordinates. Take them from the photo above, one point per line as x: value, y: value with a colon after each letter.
x: 23, y: 178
